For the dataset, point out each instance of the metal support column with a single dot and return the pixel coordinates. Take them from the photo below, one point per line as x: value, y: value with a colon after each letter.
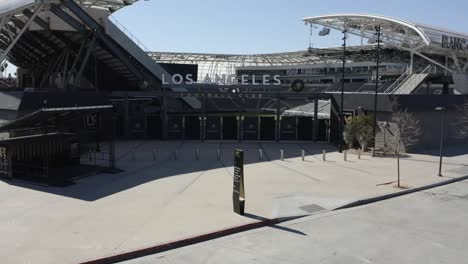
x: 342, y: 92
x: 316, y: 120
x: 203, y: 117
x: 379, y: 28
x: 164, y: 118
x: 278, y: 118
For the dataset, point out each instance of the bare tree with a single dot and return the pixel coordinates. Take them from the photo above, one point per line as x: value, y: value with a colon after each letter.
x: 461, y: 125
x: 408, y: 131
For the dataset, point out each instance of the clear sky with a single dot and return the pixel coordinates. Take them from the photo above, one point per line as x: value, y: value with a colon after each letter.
x: 264, y: 26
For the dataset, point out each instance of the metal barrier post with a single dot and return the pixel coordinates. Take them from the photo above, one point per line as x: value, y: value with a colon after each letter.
x: 345, y: 155
x: 260, y: 155
x: 282, y: 154
x: 324, y: 154
x: 303, y: 155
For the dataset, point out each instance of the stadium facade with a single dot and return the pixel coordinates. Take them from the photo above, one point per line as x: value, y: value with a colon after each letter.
x: 76, y: 50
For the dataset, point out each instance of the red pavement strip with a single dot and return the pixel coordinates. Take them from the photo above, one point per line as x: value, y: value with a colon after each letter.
x: 242, y: 228
x: 185, y: 242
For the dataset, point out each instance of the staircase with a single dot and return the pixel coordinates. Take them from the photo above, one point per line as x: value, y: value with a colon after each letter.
x: 408, y: 82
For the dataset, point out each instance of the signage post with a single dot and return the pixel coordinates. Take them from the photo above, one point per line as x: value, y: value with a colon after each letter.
x: 238, y: 194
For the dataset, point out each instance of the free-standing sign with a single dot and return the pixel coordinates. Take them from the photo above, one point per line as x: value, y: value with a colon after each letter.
x: 238, y: 194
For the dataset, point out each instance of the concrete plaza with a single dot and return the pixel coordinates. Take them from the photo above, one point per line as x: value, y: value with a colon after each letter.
x: 421, y: 228
x: 177, y: 196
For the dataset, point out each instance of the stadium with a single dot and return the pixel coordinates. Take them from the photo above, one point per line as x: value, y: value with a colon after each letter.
x: 83, y: 80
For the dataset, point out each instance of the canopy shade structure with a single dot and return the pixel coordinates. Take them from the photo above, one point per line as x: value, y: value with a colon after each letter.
x: 112, y: 5
x: 49, y: 117
x: 324, y: 110
x: 398, y: 33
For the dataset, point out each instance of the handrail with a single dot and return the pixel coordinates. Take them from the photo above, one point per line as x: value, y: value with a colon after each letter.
x: 398, y: 81
x: 416, y: 80
x: 128, y: 33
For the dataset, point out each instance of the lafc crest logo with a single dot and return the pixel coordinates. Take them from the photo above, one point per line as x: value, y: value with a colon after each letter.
x: 92, y: 121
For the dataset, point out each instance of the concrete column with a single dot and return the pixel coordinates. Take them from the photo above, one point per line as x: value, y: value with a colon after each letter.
x: 126, y: 116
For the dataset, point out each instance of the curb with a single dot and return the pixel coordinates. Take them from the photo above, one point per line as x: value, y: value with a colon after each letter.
x: 251, y: 226
x: 187, y: 241
x: 398, y: 194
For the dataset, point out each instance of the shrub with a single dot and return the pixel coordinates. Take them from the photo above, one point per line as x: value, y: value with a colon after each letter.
x: 360, y: 128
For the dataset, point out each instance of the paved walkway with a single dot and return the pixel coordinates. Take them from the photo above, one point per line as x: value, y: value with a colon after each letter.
x: 422, y: 228
x: 154, y: 202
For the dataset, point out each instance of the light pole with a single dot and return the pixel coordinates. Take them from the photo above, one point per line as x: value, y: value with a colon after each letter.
x: 442, y: 134
x: 376, y: 85
x: 342, y: 91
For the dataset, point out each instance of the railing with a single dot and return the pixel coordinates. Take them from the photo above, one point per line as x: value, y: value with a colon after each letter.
x: 398, y: 82
x: 128, y: 33
x: 417, y: 78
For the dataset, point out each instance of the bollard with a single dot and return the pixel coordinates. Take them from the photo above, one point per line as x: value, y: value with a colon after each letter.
x: 373, y: 152
x: 155, y: 154
x: 359, y: 153
x: 324, y: 152
x: 197, y: 154
x: 260, y: 155
x: 303, y: 155
x: 282, y: 154
x: 219, y: 154
x: 345, y: 155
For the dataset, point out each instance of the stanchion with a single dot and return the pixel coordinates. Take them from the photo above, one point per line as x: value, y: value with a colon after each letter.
x: 197, y: 154
x: 260, y: 155
x: 373, y: 152
x: 359, y: 153
x: 303, y: 155
x: 345, y: 155
x: 282, y: 154
x: 324, y: 154
x: 219, y: 154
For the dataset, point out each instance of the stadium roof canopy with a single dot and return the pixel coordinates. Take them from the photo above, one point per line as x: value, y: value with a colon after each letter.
x: 398, y: 33
x: 12, y: 6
